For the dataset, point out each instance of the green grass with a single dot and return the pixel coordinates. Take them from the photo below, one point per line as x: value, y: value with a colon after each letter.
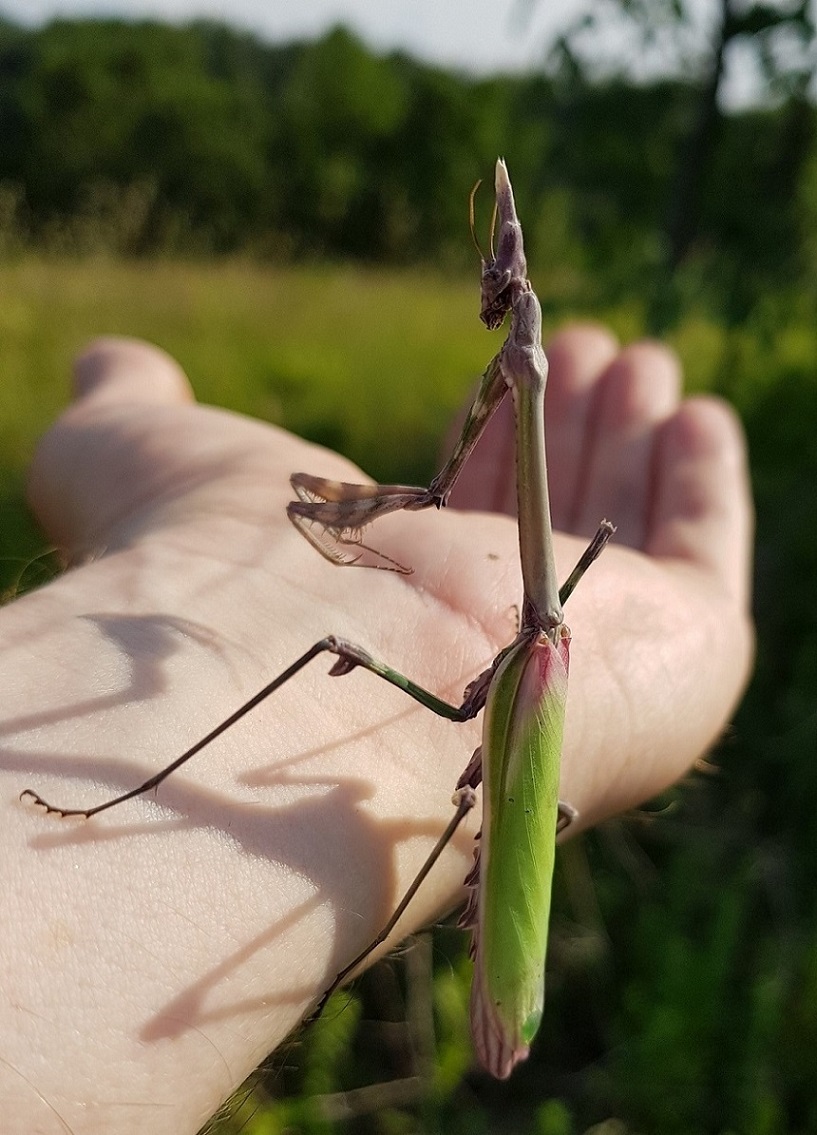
x: 314, y: 349
x: 320, y: 350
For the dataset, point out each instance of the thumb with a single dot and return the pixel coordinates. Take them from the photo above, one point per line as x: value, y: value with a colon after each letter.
x: 78, y: 485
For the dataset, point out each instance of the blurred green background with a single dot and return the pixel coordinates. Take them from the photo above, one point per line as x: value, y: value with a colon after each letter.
x: 291, y: 223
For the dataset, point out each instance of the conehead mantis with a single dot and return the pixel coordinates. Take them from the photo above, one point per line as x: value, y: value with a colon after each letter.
x: 523, y: 692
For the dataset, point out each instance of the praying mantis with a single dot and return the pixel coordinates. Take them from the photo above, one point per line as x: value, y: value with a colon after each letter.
x: 523, y: 692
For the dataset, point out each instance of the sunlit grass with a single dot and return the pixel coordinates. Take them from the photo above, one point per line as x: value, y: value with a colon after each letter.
x: 369, y: 361
x: 362, y: 358
x: 315, y: 349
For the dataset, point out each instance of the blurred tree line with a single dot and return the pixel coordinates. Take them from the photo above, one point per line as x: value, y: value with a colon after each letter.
x: 201, y: 138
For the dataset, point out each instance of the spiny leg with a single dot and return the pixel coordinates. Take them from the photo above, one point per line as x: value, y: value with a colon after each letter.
x: 491, y: 392
x: 332, y: 516
x: 337, y: 508
x: 464, y: 799
x: 349, y: 657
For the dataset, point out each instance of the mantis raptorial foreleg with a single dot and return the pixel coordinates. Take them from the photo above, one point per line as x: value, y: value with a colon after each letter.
x: 332, y: 514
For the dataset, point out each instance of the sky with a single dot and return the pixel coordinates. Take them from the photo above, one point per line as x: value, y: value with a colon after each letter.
x: 480, y: 36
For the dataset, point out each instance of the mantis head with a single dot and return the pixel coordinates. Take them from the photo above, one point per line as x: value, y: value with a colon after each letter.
x: 504, y: 275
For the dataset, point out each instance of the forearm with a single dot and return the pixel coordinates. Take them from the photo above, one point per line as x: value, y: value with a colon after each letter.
x: 154, y: 954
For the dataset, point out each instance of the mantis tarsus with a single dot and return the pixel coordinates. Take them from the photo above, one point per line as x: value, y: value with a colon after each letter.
x: 523, y: 692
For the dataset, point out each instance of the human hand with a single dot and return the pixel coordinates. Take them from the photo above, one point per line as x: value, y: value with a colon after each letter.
x: 665, y: 613
x: 176, y: 940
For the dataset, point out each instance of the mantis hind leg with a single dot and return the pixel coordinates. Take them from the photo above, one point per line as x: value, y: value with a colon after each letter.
x: 465, y: 800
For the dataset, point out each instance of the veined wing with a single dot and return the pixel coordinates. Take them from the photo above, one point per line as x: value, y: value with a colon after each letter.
x: 332, y: 516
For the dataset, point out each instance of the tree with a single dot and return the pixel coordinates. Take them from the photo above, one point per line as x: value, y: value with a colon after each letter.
x: 651, y: 36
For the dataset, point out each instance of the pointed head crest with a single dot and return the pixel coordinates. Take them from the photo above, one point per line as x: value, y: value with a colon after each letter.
x: 505, y: 273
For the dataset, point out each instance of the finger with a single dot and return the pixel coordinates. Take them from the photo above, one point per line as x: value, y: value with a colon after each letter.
x: 77, y: 483
x: 119, y: 369
x: 638, y: 392
x: 577, y: 357
x: 702, y: 509
x: 488, y: 481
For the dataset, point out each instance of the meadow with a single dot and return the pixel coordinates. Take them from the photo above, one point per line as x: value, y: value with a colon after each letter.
x: 313, y: 349
x: 714, y: 898
x: 310, y: 349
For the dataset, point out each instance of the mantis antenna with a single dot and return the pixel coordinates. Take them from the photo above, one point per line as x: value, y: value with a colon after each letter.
x: 471, y: 224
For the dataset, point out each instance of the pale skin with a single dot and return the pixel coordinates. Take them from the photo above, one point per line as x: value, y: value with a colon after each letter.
x: 153, y: 955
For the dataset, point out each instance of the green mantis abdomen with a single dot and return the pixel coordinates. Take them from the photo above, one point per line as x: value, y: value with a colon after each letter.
x: 522, y: 741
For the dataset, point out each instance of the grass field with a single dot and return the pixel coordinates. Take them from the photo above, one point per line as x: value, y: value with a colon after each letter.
x: 315, y: 350
x: 319, y: 350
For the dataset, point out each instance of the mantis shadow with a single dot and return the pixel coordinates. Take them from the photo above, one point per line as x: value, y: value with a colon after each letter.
x: 284, y: 835
x: 147, y: 641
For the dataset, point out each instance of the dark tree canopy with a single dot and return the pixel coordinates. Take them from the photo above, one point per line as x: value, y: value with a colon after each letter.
x: 326, y: 149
